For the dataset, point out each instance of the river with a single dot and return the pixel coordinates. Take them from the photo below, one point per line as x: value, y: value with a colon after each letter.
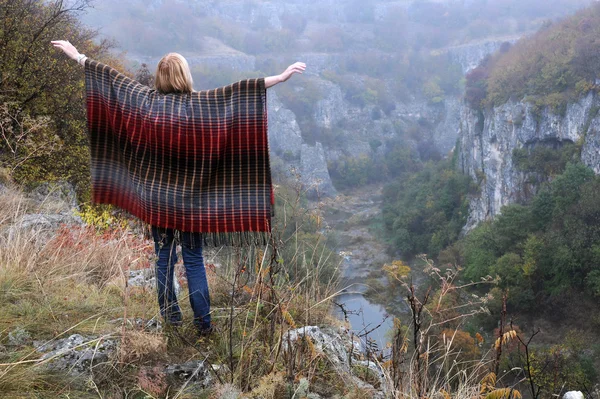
x: 352, y: 217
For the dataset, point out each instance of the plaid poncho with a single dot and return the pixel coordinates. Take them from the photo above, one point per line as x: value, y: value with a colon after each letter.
x: 194, y: 162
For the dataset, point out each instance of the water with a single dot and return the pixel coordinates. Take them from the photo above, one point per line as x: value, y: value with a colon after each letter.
x: 351, y: 216
x: 365, y: 316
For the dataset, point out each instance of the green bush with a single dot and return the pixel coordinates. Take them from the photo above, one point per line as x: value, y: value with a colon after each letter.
x: 545, y: 248
x: 424, y: 212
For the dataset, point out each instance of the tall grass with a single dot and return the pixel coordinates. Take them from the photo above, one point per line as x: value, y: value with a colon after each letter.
x: 74, y: 280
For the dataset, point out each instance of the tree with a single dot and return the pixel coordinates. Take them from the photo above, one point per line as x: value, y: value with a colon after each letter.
x: 40, y: 84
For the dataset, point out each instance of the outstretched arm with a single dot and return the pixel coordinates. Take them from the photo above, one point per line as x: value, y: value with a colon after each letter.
x: 69, y: 50
x: 298, y: 67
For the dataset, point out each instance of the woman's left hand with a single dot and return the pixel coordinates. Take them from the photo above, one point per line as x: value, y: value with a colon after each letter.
x: 298, y: 67
x: 67, y: 47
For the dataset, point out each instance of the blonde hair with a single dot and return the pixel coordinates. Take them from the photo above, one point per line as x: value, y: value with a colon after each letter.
x: 173, y: 75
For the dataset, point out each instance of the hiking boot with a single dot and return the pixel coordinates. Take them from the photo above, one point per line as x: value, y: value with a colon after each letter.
x: 205, y: 332
x: 173, y: 322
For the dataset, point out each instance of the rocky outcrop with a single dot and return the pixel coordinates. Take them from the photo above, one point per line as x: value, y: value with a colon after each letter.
x: 447, y: 129
x: 469, y: 55
x: 573, y: 395
x: 314, y: 174
x: 286, y: 143
x: 268, y: 14
x: 285, y: 137
x: 196, y: 372
x: 50, y: 206
x: 331, y: 108
x: 226, y: 59
x: 226, y: 62
x: 487, y: 141
x: 341, y: 351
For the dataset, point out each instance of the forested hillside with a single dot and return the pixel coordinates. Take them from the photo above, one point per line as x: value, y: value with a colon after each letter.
x: 527, y: 140
x: 556, y: 65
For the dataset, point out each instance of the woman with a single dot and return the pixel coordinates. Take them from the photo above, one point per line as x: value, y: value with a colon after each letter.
x: 173, y: 76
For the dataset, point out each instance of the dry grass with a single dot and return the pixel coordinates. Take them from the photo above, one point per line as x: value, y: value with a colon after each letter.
x: 53, y: 284
x: 74, y: 281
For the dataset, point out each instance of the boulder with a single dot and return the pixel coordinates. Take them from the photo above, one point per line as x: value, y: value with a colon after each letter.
x: 196, y: 371
x: 77, y: 353
x: 314, y: 173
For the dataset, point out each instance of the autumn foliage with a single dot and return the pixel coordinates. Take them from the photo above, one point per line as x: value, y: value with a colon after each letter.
x: 558, y: 63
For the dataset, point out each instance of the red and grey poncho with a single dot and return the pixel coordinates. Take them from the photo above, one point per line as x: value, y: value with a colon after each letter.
x: 194, y: 162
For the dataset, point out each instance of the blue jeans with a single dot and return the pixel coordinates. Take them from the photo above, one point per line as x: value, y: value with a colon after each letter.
x: 191, y: 245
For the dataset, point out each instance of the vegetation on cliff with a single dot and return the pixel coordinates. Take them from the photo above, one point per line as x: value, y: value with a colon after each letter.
x: 552, y: 67
x: 544, y: 249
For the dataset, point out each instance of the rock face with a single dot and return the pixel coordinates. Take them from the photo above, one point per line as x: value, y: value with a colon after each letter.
x: 448, y: 127
x: 286, y: 143
x: 195, y: 371
x: 344, y: 129
x: 471, y: 54
x: 314, y: 173
x: 285, y: 137
x: 331, y: 109
x: 54, y: 205
x: 487, y: 141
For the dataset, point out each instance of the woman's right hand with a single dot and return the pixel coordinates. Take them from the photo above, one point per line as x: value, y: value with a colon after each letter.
x: 67, y: 47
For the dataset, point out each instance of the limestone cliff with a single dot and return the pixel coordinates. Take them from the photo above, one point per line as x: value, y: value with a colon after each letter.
x: 487, y: 141
x: 339, y: 129
x: 469, y: 55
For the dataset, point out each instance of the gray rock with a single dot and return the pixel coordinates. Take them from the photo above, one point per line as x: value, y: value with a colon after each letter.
x: 146, y: 278
x: 234, y: 62
x: 196, y: 372
x: 329, y: 342
x: 55, y: 205
x: 332, y: 108
x: 40, y: 227
x: 471, y: 54
x: 573, y: 395
x: 446, y: 131
x: 375, y: 368
x: 285, y: 137
x: 152, y: 325
x: 486, y: 148
x: 41, y: 221
x: 334, y: 345
x: 142, y: 278
x: 56, y: 197
x: 76, y: 354
x: 314, y: 173
x: 217, y: 56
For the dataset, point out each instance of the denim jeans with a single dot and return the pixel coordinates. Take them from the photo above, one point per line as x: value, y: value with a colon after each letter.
x: 165, y: 244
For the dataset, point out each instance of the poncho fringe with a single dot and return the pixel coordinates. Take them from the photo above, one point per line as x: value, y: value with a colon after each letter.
x: 196, y: 162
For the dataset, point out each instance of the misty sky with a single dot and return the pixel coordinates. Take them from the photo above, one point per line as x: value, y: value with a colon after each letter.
x: 255, y: 27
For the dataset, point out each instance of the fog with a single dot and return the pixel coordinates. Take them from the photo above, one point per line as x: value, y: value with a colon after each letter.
x: 150, y: 28
x: 380, y: 39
